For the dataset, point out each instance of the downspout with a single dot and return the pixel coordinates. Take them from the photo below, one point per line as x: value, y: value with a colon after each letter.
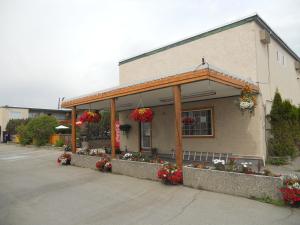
x: 264, y: 145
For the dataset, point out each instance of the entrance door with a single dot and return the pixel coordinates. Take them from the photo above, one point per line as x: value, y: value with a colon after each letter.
x: 145, y: 135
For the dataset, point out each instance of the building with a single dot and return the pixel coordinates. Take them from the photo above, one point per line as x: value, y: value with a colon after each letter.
x: 10, y: 112
x: 202, y: 77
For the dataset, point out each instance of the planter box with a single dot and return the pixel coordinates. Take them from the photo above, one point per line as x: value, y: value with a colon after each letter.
x: 85, y: 161
x: 136, y: 169
x: 239, y: 184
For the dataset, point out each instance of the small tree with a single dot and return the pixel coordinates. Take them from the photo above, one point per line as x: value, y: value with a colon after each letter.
x: 275, y: 114
x: 41, y: 128
x: 284, y: 128
x: 24, y: 136
x: 12, y: 125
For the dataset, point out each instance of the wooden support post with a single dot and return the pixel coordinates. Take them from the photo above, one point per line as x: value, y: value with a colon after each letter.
x: 178, y: 130
x: 113, y: 127
x: 73, y: 129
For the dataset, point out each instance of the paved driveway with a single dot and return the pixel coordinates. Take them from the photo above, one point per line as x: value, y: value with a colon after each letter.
x: 35, y: 191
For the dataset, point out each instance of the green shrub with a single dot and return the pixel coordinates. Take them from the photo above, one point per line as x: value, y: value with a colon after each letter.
x: 41, y: 128
x: 37, y: 130
x: 220, y: 166
x: 24, y: 136
x: 12, y: 125
x: 278, y: 161
x: 269, y: 200
x: 59, y: 143
x: 285, y: 128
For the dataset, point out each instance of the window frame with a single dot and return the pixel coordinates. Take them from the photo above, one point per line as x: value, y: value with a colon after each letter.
x: 212, y: 114
x: 141, y: 136
x: 15, y: 115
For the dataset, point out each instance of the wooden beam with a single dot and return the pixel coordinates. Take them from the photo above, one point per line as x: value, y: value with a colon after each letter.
x: 178, y: 130
x: 113, y: 127
x: 74, y: 129
x: 179, y: 79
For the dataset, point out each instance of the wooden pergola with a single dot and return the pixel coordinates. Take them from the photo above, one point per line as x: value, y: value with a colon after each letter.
x: 175, y: 82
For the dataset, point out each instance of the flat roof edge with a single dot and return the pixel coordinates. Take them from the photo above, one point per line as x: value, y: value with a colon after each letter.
x: 31, y: 108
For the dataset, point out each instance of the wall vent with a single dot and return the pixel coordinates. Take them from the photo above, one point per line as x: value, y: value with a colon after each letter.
x: 264, y: 37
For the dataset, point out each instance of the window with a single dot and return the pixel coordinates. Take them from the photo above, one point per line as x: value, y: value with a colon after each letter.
x: 15, y: 115
x: 280, y: 58
x: 197, y: 122
x: 146, y: 135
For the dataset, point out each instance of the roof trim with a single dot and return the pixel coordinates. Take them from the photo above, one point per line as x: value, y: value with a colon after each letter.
x: 237, y: 23
x: 169, y: 81
x: 36, y: 109
x: 264, y: 25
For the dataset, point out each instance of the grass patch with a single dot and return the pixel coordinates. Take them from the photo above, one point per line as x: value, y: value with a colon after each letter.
x: 269, y: 200
x: 277, y: 161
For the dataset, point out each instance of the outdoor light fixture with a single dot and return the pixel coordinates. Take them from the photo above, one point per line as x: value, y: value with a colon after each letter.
x: 194, y: 95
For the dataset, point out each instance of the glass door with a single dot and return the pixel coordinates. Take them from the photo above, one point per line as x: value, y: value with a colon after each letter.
x: 145, y: 135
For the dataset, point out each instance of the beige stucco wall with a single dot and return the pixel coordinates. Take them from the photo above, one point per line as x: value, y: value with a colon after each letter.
x: 5, y: 116
x: 232, y: 50
x: 271, y: 74
x: 234, y: 132
x: 237, y: 50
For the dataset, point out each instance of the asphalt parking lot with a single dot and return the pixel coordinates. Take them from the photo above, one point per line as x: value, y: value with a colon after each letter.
x: 34, y: 190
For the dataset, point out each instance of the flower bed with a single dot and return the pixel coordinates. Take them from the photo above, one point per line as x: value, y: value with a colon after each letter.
x: 240, y: 184
x: 64, y: 159
x: 104, y: 165
x: 138, y: 156
x: 136, y: 169
x: 170, y: 174
x: 291, y: 190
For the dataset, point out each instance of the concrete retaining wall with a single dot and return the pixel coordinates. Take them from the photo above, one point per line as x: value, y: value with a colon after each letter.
x: 233, y: 183
x: 136, y: 169
x: 85, y: 161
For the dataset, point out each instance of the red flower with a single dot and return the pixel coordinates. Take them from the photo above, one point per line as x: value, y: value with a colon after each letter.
x: 108, y: 165
x: 290, y: 195
x: 90, y: 117
x: 98, y: 164
x: 104, y: 165
x: 142, y: 115
x: 188, y: 120
x: 63, y: 156
x: 169, y: 174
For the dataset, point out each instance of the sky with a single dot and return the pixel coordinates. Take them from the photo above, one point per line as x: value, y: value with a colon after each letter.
x: 66, y: 48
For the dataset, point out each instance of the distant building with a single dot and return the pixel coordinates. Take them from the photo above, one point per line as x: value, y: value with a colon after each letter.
x: 10, y: 112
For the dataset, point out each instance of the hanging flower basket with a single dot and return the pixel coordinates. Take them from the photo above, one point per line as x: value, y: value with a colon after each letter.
x: 142, y: 115
x: 90, y: 117
x: 188, y: 120
x: 125, y: 128
x: 247, y: 99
